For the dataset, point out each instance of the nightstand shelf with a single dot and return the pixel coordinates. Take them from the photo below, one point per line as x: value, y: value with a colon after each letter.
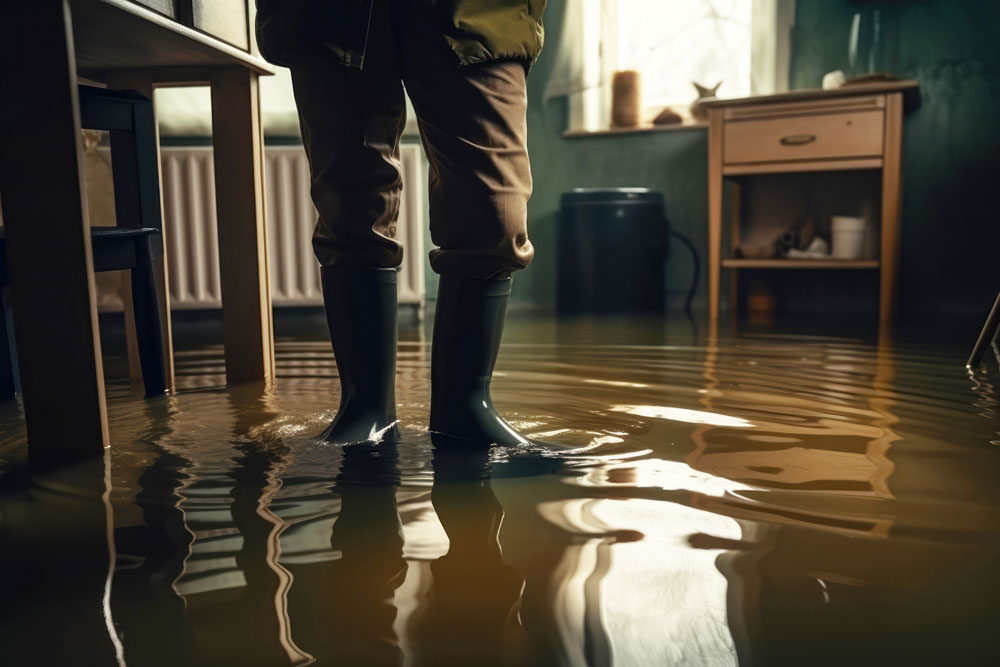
x: 797, y: 167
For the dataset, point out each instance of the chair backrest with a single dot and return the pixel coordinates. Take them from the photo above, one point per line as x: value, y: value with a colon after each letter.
x: 128, y: 116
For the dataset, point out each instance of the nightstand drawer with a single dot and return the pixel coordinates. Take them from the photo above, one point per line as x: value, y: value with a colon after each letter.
x: 816, y: 137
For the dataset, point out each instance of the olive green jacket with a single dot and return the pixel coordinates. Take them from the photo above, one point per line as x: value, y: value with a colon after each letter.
x: 295, y: 32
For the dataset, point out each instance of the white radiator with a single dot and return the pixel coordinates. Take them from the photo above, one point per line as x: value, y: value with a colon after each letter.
x: 193, y: 243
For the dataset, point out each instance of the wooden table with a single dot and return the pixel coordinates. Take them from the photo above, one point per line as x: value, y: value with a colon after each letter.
x: 842, y: 130
x: 45, y: 47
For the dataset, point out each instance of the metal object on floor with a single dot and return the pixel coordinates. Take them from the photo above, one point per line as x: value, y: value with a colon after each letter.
x: 986, y: 336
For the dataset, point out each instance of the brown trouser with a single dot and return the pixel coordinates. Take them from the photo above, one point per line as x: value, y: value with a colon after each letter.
x: 472, y: 123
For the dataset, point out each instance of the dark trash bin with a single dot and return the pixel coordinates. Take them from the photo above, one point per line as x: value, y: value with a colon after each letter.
x: 612, y: 247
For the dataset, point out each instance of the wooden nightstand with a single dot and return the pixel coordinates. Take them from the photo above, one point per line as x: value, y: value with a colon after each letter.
x: 847, y: 130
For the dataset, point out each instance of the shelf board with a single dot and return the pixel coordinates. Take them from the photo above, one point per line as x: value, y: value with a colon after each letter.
x: 801, y: 166
x: 800, y: 263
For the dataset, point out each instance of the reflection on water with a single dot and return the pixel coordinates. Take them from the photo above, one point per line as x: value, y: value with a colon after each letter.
x: 761, y: 500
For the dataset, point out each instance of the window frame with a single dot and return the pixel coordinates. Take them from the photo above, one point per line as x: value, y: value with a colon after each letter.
x: 770, y: 46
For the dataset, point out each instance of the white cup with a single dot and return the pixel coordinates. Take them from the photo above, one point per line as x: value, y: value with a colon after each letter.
x: 848, y: 236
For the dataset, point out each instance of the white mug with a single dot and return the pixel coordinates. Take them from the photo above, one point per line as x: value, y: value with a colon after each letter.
x: 848, y: 236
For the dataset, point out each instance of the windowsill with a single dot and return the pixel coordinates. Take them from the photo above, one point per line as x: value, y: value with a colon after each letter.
x: 686, y: 125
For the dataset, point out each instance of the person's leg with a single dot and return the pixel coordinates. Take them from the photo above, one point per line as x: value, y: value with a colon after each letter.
x: 351, y: 123
x: 472, y: 121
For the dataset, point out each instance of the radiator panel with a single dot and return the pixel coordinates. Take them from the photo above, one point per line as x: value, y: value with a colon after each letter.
x: 191, y: 228
x: 291, y: 217
x: 192, y: 240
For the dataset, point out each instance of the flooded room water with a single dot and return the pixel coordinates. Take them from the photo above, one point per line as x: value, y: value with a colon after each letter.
x: 755, y: 499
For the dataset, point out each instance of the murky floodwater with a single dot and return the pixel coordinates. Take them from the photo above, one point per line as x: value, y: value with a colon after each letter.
x: 762, y: 500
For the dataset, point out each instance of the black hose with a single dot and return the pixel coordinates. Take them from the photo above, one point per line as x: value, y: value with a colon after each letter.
x: 697, y: 269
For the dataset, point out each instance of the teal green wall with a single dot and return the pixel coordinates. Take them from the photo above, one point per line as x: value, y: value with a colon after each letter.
x: 951, y: 229
x: 950, y: 249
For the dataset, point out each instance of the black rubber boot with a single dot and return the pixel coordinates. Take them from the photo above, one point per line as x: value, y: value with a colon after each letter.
x: 468, y: 325
x: 361, y: 313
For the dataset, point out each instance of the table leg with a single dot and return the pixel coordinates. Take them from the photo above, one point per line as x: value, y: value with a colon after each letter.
x: 714, y: 212
x: 239, y: 189
x: 48, y: 235
x: 734, y: 294
x: 735, y: 207
x: 892, y: 189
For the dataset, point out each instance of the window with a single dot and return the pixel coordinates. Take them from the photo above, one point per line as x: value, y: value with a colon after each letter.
x: 741, y: 43
x: 675, y: 43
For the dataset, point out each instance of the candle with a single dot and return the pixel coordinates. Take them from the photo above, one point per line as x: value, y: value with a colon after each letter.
x: 626, y: 99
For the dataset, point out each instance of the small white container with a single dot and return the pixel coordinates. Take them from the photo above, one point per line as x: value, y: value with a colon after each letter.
x: 848, y: 236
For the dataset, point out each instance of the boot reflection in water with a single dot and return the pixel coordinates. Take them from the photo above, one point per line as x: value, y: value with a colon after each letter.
x: 472, y: 616
x: 350, y: 600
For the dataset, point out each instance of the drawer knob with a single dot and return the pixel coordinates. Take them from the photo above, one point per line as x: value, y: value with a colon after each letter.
x: 798, y: 139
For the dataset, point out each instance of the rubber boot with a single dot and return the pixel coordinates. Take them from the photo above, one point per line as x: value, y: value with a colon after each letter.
x: 361, y: 313
x: 468, y: 325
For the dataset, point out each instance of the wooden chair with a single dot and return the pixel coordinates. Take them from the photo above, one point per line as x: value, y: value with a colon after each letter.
x: 134, y: 244
x: 986, y: 336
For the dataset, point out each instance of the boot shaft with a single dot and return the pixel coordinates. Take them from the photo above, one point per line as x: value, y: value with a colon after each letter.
x: 468, y: 327
x: 361, y: 313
